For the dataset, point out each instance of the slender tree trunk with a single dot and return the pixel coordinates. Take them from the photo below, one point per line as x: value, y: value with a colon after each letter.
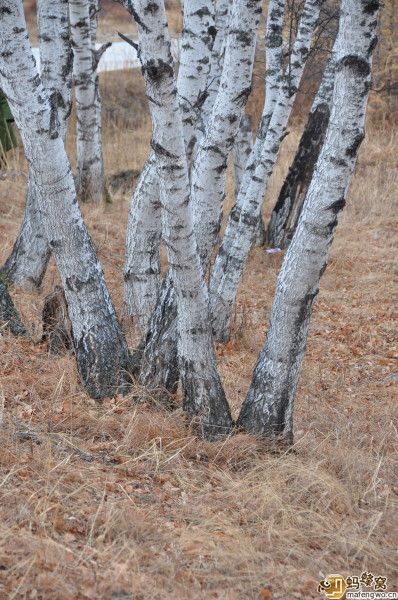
x: 268, y: 408
x: 29, y: 257
x: 287, y: 210
x: 101, y: 351
x: 242, y: 150
x: 142, y: 265
x: 203, y: 395
x: 274, y: 81
x: 90, y: 167
x: 238, y: 238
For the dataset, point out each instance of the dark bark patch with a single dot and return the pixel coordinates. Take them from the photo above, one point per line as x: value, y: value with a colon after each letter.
x: 56, y: 324
x: 353, y: 149
x: 9, y: 316
x: 337, y: 206
x: 357, y: 63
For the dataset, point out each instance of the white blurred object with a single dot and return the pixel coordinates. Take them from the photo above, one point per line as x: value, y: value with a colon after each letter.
x: 118, y: 57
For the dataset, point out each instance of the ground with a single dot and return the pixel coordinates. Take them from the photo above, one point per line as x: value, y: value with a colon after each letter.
x: 121, y: 501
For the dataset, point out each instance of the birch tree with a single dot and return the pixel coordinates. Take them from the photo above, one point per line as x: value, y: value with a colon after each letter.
x: 28, y: 260
x: 142, y: 264
x: 268, y: 407
x: 101, y: 351
x: 90, y: 166
x: 239, y: 235
x: 203, y: 395
x: 242, y: 150
x: 208, y: 175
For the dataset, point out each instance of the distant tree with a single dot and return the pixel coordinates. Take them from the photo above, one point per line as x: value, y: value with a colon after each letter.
x: 100, y: 348
x: 268, y: 408
x: 288, y: 207
x: 90, y: 167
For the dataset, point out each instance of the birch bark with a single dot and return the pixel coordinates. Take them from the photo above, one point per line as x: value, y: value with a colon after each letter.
x: 239, y: 235
x: 242, y: 151
x: 101, y: 351
x: 268, y: 408
x: 90, y: 167
x: 287, y: 210
x: 29, y: 257
x: 203, y: 396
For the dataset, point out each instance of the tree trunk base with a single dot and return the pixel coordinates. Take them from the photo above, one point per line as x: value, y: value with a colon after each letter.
x: 9, y: 316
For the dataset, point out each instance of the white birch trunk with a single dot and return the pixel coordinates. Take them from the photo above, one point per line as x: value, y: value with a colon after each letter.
x: 239, y: 236
x: 101, y: 351
x: 142, y: 264
x: 268, y: 408
x: 242, y: 150
x: 221, y: 18
x: 203, y: 395
x: 90, y: 167
x: 29, y: 257
x: 287, y: 210
x: 210, y: 160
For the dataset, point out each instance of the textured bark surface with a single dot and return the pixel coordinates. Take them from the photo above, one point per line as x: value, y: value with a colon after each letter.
x: 288, y: 207
x: 90, y: 167
x: 29, y: 257
x: 268, y: 408
x: 203, y: 396
x: 9, y: 316
x: 239, y: 235
x: 101, y: 350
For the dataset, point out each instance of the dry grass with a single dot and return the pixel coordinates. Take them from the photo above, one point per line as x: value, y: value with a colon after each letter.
x: 120, y: 501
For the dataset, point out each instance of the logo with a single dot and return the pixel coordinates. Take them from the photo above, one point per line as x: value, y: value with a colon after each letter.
x: 336, y: 587
x: 333, y: 587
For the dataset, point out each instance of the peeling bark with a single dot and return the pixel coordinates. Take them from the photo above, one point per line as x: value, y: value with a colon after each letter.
x: 101, y: 352
x: 268, y: 407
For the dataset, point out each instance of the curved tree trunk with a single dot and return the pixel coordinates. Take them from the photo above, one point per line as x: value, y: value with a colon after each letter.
x: 238, y: 239
x: 90, y: 167
x: 29, y: 257
x: 268, y: 408
x: 101, y: 351
x: 203, y: 396
x: 287, y: 210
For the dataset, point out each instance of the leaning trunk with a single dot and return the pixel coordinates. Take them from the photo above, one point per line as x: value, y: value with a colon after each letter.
x: 268, y: 408
x: 100, y: 348
x: 29, y: 258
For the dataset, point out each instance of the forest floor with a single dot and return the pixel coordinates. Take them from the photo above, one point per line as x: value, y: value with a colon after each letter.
x: 120, y: 501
